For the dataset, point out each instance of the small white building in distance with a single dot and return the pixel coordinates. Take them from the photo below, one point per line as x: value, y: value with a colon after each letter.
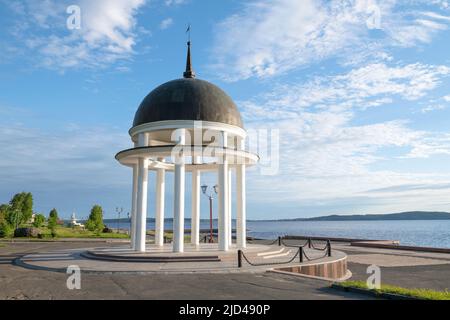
x: 74, y: 223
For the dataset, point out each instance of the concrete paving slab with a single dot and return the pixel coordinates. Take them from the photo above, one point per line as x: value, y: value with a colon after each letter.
x: 386, y: 260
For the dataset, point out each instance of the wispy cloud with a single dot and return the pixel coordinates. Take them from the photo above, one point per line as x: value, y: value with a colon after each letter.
x: 361, y: 88
x: 74, y: 155
x: 325, y: 157
x: 166, y: 23
x: 71, y: 168
x: 268, y: 38
x: 174, y: 2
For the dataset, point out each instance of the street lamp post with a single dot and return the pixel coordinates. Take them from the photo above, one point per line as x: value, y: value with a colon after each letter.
x: 118, y: 211
x: 210, y: 197
x: 128, y: 215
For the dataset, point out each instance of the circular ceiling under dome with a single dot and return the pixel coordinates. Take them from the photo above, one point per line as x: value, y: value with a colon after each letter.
x: 188, y: 99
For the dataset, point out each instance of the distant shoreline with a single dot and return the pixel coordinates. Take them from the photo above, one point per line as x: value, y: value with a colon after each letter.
x: 411, y: 216
x: 402, y: 216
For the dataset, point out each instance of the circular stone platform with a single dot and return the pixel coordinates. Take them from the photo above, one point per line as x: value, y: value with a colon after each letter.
x: 205, y: 258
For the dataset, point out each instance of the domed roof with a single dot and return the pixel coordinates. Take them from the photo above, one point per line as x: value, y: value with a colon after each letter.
x: 188, y: 99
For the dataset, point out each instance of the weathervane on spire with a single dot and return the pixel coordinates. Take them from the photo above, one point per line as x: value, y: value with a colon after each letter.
x: 189, y: 73
x: 188, y: 31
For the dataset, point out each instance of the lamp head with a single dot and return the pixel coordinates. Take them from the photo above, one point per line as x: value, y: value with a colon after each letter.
x: 216, y: 188
x: 204, y: 188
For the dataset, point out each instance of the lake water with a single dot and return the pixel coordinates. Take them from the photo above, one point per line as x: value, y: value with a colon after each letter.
x: 430, y: 233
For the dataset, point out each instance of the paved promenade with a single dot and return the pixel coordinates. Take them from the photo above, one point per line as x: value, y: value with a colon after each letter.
x: 404, y: 268
x: 409, y: 269
x: 20, y: 283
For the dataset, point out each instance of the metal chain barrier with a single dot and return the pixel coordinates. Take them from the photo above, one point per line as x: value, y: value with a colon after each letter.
x: 242, y: 255
x: 294, y: 246
x: 300, y: 253
x: 321, y: 249
x: 273, y: 242
x: 312, y: 259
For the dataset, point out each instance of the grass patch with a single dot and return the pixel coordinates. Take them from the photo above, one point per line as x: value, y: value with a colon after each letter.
x: 65, y: 232
x: 425, y: 294
x: 169, y: 235
x: 68, y: 232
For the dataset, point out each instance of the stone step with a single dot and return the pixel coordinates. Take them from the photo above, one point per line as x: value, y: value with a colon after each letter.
x: 150, y: 259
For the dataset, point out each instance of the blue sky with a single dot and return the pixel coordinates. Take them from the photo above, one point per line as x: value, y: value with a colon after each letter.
x: 359, y: 92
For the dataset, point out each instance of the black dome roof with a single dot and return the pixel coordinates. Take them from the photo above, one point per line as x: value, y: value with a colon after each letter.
x: 188, y: 99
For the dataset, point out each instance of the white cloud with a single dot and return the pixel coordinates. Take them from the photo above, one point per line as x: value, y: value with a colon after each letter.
x: 166, y: 23
x: 75, y: 155
x: 174, y: 2
x: 434, y: 107
x: 107, y: 34
x: 361, y: 88
x: 325, y: 157
x: 271, y: 37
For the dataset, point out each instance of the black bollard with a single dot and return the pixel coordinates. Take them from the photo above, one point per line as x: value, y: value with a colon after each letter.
x: 329, y: 248
x: 309, y: 243
x: 239, y: 258
x: 279, y: 241
x: 300, y: 253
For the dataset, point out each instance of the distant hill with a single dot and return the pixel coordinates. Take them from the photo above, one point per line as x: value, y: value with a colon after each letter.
x: 412, y: 215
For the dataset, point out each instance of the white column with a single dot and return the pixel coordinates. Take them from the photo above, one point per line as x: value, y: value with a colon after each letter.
x: 241, y: 231
x: 195, y: 212
x: 134, y: 207
x: 178, y: 207
x: 230, y: 208
x: 141, y: 212
x: 141, y: 217
x: 223, y: 199
x: 159, y: 214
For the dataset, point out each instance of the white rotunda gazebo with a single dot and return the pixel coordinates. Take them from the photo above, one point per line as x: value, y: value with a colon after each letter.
x: 187, y: 125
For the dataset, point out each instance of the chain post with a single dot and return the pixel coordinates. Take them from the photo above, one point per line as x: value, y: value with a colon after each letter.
x: 239, y: 258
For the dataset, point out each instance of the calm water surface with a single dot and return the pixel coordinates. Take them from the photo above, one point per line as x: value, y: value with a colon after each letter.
x: 431, y: 233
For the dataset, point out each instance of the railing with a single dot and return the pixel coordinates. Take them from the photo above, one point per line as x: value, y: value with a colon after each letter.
x: 300, y: 254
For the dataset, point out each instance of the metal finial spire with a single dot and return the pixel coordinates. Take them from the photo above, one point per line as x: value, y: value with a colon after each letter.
x: 189, y: 73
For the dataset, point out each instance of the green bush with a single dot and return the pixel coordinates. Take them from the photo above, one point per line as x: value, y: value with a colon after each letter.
x: 39, y: 220
x: 6, y: 231
x: 52, y: 218
x: 27, y: 232
x: 95, y: 221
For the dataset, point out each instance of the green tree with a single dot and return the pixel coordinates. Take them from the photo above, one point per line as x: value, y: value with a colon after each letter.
x: 53, y: 221
x: 4, y: 210
x: 95, y: 221
x: 53, y: 214
x: 5, y: 227
x: 27, y: 206
x: 21, y: 207
x: 15, y: 218
x: 39, y: 220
